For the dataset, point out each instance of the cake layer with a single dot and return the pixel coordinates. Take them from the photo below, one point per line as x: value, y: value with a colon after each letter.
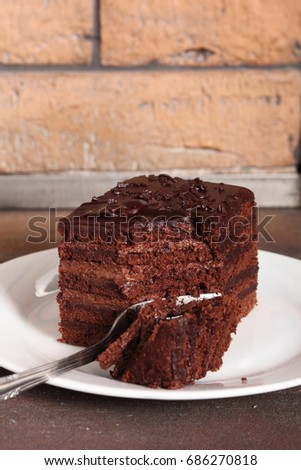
x: 160, y: 263
x: 160, y: 257
x: 84, y: 321
x: 189, y: 282
x: 134, y: 254
x: 105, y: 314
x: 82, y: 334
x: 90, y: 299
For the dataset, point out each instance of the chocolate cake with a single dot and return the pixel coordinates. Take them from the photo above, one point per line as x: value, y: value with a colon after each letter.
x: 151, y: 238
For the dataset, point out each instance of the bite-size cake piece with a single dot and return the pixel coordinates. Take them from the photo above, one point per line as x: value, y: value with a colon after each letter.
x: 170, y: 346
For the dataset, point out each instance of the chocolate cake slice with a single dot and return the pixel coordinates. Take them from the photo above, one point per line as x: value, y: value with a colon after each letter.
x: 151, y: 238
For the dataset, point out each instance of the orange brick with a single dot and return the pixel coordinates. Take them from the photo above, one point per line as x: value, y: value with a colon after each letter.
x: 148, y: 121
x: 207, y: 32
x: 46, y: 31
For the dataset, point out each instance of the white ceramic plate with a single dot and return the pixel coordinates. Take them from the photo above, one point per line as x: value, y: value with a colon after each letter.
x: 266, y: 349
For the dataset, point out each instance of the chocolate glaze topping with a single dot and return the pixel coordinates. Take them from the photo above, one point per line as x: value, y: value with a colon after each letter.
x: 163, y: 195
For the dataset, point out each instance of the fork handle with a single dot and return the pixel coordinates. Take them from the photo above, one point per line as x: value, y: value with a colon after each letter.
x: 13, y: 384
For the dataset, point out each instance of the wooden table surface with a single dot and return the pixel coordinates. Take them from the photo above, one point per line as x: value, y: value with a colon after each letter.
x: 52, y: 418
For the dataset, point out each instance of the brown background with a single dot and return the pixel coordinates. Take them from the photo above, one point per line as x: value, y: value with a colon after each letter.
x: 150, y: 85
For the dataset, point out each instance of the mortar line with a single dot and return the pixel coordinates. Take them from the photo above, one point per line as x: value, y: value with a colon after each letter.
x: 96, y: 61
x: 140, y: 68
x: 298, y: 149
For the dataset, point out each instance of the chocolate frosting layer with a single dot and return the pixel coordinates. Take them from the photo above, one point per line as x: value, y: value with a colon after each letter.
x: 138, y: 209
x: 163, y: 195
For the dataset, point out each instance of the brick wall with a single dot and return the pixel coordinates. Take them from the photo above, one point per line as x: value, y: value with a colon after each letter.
x: 150, y: 85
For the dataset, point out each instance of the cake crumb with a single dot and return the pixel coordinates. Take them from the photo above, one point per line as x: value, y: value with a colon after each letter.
x: 244, y: 380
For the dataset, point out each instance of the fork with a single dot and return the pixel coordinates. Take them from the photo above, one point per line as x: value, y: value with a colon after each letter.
x: 13, y: 384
